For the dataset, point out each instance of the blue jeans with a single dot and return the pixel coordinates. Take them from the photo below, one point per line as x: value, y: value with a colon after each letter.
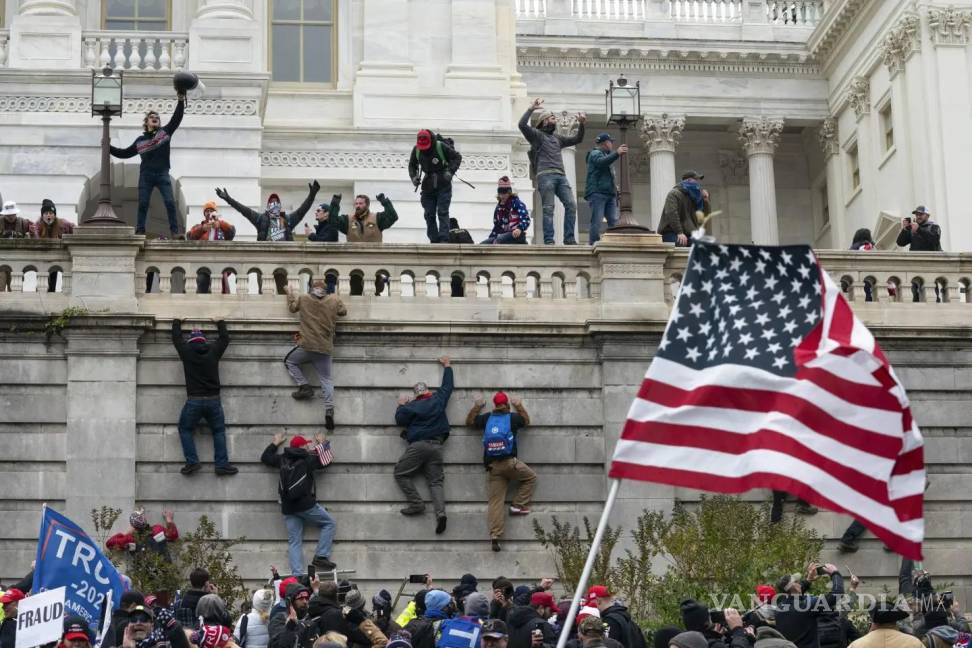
x: 556, y: 184
x: 317, y: 516
x: 436, y: 204
x: 602, y: 206
x: 147, y: 181
x: 504, y: 238
x: 192, y: 413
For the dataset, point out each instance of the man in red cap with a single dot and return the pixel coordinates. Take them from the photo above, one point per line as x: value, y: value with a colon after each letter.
x: 273, y: 224
x: 528, y: 624
x: 298, y: 496
x: 77, y: 634
x: 8, y: 629
x: 615, y: 615
x: 433, y: 162
x: 500, y: 428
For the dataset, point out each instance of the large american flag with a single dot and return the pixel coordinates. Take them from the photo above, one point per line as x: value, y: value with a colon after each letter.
x: 764, y: 378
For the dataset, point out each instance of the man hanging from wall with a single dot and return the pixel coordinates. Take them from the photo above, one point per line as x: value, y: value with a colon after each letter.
x: 433, y: 162
x: 153, y: 147
x: 273, y: 224
x: 547, y: 165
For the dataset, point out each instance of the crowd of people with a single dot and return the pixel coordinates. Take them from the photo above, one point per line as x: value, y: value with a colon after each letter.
x: 306, y: 611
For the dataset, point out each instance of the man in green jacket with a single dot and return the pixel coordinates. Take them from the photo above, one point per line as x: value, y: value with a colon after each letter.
x: 365, y: 226
x: 600, y: 190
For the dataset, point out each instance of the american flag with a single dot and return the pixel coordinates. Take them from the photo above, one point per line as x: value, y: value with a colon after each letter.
x: 324, y: 453
x: 764, y: 378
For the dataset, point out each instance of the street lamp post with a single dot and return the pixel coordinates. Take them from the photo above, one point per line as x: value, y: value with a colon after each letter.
x: 623, y: 107
x: 106, y: 100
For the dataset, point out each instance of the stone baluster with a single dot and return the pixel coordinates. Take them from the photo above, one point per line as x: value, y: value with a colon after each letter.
x: 165, y: 282
x: 545, y: 287
x: 104, y: 59
x: 520, y: 286
x: 192, y: 285
x: 495, y: 285
x: 760, y: 136
x: 661, y: 136
x: 119, y: 61
x: 65, y: 283
x: 242, y: 283
x: 135, y: 58
x: 165, y: 60
x: 150, y: 61
x: 90, y: 52
x: 344, y: 284
x: 471, y: 283
x: 445, y: 286
x: 395, y: 284
x: 293, y: 282
x: 179, y: 57
x: 858, y: 293
x: 16, y: 280
x: 4, y: 44
x: 268, y: 285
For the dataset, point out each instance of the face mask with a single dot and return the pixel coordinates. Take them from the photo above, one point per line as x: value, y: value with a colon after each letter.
x: 274, y: 208
x: 549, y: 128
x: 318, y: 292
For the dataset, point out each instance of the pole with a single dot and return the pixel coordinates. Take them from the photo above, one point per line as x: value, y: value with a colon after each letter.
x: 626, y: 222
x: 589, y: 565
x: 105, y: 214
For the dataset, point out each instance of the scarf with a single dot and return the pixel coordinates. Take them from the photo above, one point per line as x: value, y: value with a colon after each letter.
x: 694, y: 190
x: 318, y: 292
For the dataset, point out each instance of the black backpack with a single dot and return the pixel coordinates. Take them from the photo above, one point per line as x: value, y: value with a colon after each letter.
x: 296, y: 482
x: 635, y: 638
x: 830, y: 631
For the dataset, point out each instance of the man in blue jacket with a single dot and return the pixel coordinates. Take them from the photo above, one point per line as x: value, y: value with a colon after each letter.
x: 600, y: 190
x: 426, y: 429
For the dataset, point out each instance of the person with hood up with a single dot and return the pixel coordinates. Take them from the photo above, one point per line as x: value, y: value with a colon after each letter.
x: 528, y: 623
x: 319, y: 312
x: 284, y: 630
x: 432, y: 164
x: 500, y: 430
x: 297, y: 489
x: 679, y: 216
x: 426, y: 429
x: 273, y: 224
x: 475, y: 606
x: 511, y: 218
x: 467, y: 585
x: 425, y: 628
x: 200, y: 363
x: 153, y: 147
x: 696, y: 618
x: 615, y: 615
x: 547, y: 164
x: 327, y: 614
x: 326, y: 222
x: 251, y: 629
x: 212, y: 227
x: 365, y: 226
x: 884, y: 632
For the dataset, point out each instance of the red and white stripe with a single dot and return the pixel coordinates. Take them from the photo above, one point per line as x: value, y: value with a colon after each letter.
x: 839, y: 434
x: 324, y: 453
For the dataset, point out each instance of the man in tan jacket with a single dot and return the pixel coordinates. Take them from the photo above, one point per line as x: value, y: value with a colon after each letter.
x: 884, y: 628
x: 315, y: 342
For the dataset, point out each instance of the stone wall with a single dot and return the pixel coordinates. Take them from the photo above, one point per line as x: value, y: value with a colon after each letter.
x: 89, y: 416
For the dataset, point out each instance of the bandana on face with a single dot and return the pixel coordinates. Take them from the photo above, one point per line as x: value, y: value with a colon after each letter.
x: 274, y: 208
x: 318, y: 292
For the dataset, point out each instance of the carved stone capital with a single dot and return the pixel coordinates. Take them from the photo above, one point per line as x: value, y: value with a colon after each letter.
x: 828, y: 137
x: 949, y: 26
x: 567, y: 124
x: 661, y: 133
x: 902, y: 41
x: 760, y: 135
x: 859, y: 96
x: 49, y: 8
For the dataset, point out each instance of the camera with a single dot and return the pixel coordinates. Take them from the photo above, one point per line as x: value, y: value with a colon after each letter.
x: 821, y: 570
x: 717, y: 617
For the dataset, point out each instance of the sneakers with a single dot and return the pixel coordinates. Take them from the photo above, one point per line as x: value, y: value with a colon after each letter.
x: 516, y: 510
x: 227, y: 470
x: 413, y: 509
x: 323, y: 563
x: 440, y: 525
x: 496, y: 545
x: 191, y: 468
x: 329, y: 418
x: 847, y: 547
x: 303, y: 392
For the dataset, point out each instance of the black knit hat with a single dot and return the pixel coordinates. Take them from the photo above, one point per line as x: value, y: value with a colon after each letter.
x: 695, y: 616
x: 48, y: 206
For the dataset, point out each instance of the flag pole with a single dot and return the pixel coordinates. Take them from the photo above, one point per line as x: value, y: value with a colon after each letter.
x: 589, y: 565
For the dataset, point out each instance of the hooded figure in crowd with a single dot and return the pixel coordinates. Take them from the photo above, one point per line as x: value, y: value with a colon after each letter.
x: 273, y: 224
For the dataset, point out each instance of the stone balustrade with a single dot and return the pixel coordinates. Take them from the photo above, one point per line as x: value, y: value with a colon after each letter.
x: 133, y: 51
x: 806, y: 13
x: 4, y: 47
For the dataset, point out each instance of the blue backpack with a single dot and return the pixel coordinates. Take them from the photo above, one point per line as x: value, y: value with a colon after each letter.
x: 498, y: 438
x: 460, y: 632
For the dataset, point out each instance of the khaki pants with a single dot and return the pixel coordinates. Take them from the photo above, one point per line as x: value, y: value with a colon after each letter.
x: 500, y: 474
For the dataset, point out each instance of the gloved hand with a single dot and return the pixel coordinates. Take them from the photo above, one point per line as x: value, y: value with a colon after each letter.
x: 415, y: 181
x: 222, y: 193
x: 381, y: 198
x: 447, y: 176
x: 314, y: 186
x: 336, y: 197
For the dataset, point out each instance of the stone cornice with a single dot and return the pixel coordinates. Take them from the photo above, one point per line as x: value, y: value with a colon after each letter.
x: 902, y: 41
x: 949, y: 26
x: 369, y: 160
x: 833, y: 27
x: 74, y: 104
x: 668, y: 57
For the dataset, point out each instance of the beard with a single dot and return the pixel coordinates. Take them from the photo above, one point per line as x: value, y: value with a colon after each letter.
x: 359, y: 212
x: 548, y: 128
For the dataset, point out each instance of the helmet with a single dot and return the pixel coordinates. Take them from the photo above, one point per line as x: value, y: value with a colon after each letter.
x: 183, y: 81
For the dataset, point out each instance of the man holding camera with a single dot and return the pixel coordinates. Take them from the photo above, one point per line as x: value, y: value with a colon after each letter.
x: 721, y: 628
x: 922, y: 233
x: 799, y: 611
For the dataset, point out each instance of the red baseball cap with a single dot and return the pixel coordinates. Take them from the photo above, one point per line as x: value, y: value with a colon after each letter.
x: 282, y: 588
x: 299, y: 442
x: 598, y: 591
x: 12, y: 595
x: 500, y: 398
x: 423, y: 141
x: 765, y: 593
x: 545, y: 599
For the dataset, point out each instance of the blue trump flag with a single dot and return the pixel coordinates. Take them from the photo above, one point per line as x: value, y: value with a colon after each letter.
x: 67, y: 556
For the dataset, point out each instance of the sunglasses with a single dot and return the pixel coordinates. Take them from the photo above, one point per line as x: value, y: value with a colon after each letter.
x: 140, y: 618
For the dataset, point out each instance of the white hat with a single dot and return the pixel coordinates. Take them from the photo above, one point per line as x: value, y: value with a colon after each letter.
x: 9, y: 209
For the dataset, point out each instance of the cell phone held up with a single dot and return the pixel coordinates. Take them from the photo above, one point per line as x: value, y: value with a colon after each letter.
x: 821, y: 570
x: 717, y: 617
x: 418, y: 578
x: 311, y: 572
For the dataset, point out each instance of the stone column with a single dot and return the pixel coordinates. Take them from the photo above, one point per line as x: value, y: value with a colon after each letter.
x: 385, y: 40
x: 102, y: 354
x: 103, y: 268
x: 760, y: 136
x: 225, y: 36
x: 661, y: 136
x: 45, y: 34
x: 829, y: 139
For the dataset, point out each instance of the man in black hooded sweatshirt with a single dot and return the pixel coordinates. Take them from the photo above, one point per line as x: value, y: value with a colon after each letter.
x: 200, y: 363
